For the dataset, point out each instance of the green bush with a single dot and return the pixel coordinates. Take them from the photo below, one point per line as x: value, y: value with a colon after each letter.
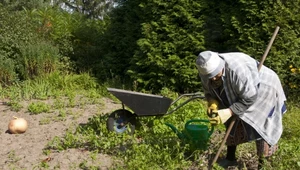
x: 38, y: 58
x: 171, y: 38
x: 25, y: 50
x: 7, y: 71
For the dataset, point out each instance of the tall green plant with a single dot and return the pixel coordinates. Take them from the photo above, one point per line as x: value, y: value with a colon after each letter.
x: 21, y: 4
x: 247, y: 26
x: 120, y: 40
x: 88, y: 45
x: 77, y: 37
x: 7, y: 71
x: 56, y: 25
x: 286, y: 51
x: 93, y: 9
x: 172, y: 37
x: 38, y: 59
x: 14, y: 29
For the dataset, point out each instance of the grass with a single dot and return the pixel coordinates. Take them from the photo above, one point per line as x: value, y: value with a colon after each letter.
x: 38, y: 107
x: 153, y: 144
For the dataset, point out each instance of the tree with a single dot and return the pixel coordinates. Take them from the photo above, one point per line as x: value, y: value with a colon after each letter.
x: 19, y: 5
x: 247, y: 26
x: 171, y: 39
x: 91, y: 8
x: 120, y: 40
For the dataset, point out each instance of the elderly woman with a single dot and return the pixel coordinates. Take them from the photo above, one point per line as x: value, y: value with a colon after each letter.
x: 233, y: 83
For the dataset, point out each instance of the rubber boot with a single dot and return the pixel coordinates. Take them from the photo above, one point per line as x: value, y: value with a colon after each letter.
x: 230, y: 159
x: 231, y: 153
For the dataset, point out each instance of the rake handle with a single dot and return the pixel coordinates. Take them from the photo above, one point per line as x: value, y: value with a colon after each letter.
x: 234, y: 118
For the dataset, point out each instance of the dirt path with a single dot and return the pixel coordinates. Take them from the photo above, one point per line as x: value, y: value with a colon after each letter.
x: 25, y: 151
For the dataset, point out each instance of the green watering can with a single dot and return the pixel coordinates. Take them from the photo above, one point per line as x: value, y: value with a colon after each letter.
x: 196, y: 131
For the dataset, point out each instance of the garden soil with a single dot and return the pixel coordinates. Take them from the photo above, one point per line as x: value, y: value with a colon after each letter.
x: 25, y: 151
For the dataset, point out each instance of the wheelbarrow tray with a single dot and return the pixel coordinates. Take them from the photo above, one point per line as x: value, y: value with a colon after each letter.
x: 142, y: 104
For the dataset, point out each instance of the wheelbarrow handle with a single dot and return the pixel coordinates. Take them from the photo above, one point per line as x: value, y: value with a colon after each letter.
x: 193, y: 96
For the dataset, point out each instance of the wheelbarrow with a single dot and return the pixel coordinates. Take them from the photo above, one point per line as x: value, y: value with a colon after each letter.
x: 143, y: 104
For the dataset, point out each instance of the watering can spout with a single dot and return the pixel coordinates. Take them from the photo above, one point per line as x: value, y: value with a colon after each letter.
x: 175, y: 130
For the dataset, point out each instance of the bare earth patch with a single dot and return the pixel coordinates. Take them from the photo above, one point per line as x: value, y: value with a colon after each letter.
x: 25, y: 151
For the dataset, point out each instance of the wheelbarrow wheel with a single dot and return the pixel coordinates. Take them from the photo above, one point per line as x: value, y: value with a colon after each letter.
x: 120, y: 121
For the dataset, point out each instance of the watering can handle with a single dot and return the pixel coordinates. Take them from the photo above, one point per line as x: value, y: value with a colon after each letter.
x: 175, y: 130
x: 200, y: 120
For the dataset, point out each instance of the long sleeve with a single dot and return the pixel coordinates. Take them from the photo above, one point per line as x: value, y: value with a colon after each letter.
x: 244, y: 87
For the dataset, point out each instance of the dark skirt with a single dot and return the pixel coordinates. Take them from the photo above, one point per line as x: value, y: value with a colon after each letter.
x: 242, y: 133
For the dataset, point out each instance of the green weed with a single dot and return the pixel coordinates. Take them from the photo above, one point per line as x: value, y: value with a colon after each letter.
x: 38, y: 107
x: 14, y: 106
x: 59, y: 104
x: 45, y: 121
x: 13, y: 157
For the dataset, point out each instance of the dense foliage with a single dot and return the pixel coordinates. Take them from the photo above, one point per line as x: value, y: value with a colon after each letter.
x: 171, y: 37
x: 144, y: 45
